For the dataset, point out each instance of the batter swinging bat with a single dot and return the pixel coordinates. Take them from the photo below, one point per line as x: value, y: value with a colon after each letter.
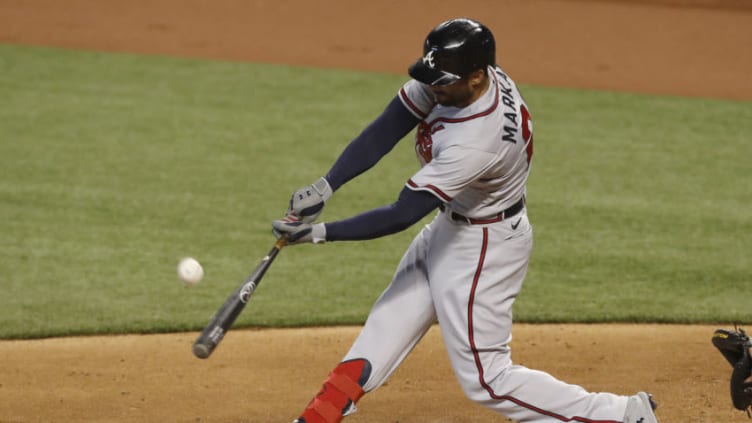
x: 226, y: 315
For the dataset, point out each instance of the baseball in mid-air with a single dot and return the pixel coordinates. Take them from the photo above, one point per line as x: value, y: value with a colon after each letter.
x: 190, y: 271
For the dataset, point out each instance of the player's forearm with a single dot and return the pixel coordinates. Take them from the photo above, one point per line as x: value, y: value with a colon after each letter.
x: 409, y: 209
x: 376, y: 140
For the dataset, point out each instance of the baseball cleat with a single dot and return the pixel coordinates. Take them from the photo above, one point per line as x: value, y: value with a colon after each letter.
x: 640, y: 409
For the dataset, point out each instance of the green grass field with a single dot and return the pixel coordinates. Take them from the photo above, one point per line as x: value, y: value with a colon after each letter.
x: 115, y: 166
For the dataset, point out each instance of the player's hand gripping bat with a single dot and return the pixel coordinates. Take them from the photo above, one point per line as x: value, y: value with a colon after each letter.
x: 224, y: 317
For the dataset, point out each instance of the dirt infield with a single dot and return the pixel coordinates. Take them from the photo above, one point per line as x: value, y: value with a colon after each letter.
x: 690, y: 47
x: 269, y: 375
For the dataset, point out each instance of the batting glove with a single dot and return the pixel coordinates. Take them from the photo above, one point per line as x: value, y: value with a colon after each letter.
x: 307, y: 203
x: 299, y: 232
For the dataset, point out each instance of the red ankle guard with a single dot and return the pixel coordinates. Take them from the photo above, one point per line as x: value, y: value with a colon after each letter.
x: 343, y: 387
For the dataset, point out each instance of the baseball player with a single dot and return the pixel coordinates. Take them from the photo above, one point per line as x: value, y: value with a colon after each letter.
x: 474, y: 143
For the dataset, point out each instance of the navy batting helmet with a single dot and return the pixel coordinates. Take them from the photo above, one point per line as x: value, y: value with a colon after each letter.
x: 453, y: 50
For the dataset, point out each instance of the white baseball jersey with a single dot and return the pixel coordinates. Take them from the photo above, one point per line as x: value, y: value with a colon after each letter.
x: 476, y: 158
x: 466, y: 273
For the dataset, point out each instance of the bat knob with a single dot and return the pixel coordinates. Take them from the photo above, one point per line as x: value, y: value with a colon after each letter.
x: 201, y: 350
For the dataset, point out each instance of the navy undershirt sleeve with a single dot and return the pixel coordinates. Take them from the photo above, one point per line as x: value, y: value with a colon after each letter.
x: 376, y: 140
x: 406, y: 211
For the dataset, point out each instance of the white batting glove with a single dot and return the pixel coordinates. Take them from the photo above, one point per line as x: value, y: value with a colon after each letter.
x: 307, y: 203
x: 299, y: 232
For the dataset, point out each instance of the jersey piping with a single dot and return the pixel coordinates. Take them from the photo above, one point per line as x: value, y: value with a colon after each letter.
x: 486, y: 112
x: 413, y: 108
x: 441, y: 194
x: 476, y: 353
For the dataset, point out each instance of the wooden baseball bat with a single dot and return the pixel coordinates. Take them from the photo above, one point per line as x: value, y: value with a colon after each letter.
x: 224, y: 317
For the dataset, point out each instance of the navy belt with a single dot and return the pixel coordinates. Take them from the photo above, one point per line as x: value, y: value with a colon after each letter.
x: 509, y: 212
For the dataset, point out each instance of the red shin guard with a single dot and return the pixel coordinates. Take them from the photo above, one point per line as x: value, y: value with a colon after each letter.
x: 343, y: 387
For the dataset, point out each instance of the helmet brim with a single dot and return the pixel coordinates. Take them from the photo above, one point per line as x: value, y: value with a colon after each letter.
x: 420, y: 71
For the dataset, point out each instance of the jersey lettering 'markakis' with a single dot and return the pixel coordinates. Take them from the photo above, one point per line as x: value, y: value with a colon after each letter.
x: 508, y: 100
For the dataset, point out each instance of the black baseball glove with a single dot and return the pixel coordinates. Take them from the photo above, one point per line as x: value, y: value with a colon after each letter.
x: 735, y: 346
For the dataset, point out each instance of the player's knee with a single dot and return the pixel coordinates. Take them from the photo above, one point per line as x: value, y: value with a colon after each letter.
x: 474, y: 391
x: 482, y: 388
x: 341, y: 390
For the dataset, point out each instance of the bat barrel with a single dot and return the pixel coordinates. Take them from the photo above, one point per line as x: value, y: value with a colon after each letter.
x: 218, y: 326
x: 224, y: 318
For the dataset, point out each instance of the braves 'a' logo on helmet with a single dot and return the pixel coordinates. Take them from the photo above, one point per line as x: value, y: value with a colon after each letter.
x: 428, y: 59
